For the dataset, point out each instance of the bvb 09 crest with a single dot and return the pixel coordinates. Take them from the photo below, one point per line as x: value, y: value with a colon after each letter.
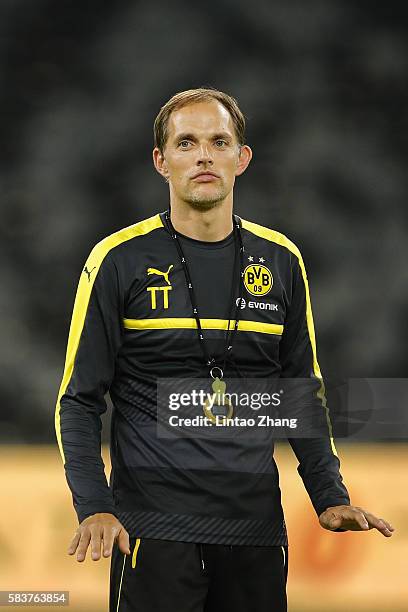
x: 258, y: 279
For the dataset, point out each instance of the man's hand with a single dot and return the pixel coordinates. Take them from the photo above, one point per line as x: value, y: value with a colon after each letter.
x: 96, y: 529
x: 353, y: 518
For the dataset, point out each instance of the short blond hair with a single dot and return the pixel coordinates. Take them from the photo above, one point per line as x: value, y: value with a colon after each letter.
x: 191, y: 96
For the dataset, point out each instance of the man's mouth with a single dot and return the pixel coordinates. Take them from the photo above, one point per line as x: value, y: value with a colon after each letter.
x: 205, y: 177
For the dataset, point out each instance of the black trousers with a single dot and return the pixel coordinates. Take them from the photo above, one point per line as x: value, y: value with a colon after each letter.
x: 167, y: 576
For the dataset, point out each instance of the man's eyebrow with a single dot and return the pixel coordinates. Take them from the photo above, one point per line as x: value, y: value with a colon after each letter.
x: 184, y: 136
x: 224, y: 135
x: 190, y: 136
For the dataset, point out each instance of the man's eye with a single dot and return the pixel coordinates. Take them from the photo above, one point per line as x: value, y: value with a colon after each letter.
x: 220, y: 143
x: 184, y: 144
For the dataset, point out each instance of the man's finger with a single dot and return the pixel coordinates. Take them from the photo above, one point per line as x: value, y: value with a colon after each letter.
x: 109, y: 534
x: 378, y: 524
x: 74, y: 543
x: 389, y: 526
x: 95, y: 542
x: 361, y: 520
x: 123, y: 541
x: 83, y: 544
x: 366, y: 520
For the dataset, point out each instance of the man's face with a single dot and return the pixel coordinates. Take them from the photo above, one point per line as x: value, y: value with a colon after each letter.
x: 202, y: 156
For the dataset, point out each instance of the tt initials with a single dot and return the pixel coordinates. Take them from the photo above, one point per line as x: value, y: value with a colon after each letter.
x: 165, y: 292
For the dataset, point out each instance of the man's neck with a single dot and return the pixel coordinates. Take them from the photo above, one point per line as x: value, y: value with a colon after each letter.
x: 208, y: 225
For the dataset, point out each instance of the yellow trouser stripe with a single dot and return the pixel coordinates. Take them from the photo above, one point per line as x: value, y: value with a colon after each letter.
x: 186, y: 323
x: 134, y: 556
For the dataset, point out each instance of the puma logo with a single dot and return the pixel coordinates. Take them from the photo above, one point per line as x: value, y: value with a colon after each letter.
x: 89, y: 272
x: 165, y: 274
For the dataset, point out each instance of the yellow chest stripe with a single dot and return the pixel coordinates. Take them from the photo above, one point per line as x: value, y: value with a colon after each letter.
x: 190, y: 323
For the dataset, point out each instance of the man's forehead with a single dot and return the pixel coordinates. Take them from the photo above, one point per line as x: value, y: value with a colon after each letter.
x: 200, y: 117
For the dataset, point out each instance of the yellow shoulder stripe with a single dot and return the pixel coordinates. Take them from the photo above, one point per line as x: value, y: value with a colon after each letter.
x: 281, y: 239
x: 86, y: 282
x: 271, y: 235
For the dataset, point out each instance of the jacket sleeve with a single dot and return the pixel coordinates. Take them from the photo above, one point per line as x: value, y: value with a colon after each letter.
x: 319, y: 465
x: 94, y: 340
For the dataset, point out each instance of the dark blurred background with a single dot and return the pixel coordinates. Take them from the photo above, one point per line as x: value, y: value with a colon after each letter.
x: 323, y: 86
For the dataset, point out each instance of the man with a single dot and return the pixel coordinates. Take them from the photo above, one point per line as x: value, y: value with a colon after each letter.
x: 192, y: 523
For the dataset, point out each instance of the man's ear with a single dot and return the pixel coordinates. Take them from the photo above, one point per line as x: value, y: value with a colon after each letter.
x: 160, y: 163
x: 244, y: 157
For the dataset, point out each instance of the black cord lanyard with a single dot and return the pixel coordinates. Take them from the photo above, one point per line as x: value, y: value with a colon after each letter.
x: 230, y: 335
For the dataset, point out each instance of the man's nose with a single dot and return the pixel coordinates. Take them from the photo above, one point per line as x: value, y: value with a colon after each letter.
x: 204, y: 154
